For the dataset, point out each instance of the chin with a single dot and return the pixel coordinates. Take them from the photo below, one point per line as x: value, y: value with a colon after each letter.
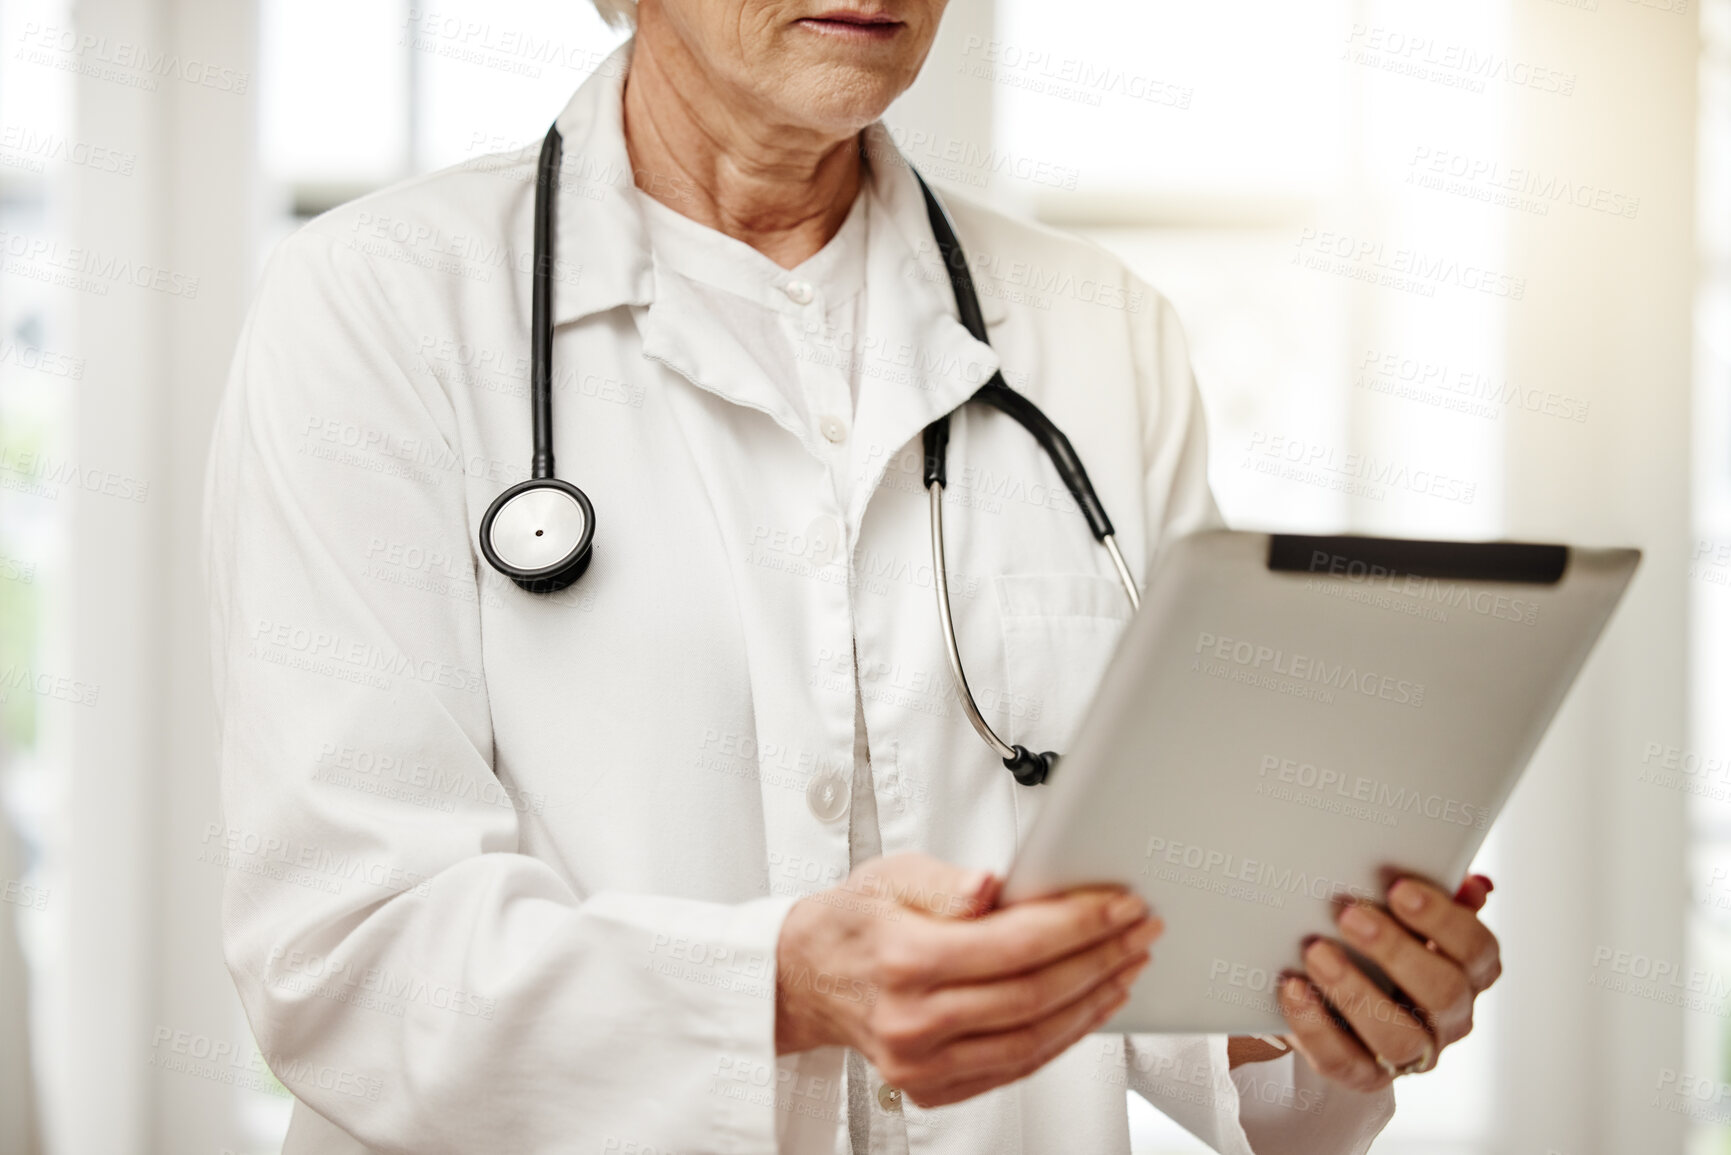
x: 844, y: 99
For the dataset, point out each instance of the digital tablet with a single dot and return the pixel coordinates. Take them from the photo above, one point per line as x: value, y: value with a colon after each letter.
x: 1290, y: 722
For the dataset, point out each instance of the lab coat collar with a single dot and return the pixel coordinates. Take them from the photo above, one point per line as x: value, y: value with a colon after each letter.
x: 917, y: 361
x: 600, y: 227
x: 601, y: 244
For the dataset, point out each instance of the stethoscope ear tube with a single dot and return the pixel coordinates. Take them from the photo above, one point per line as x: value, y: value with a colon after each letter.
x: 541, y: 303
x: 1028, y: 768
x: 937, y: 447
x: 997, y: 392
x: 1064, y: 457
x: 540, y: 533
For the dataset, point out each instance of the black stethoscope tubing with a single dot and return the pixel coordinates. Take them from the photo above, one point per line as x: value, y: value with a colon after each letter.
x: 527, y: 500
x: 525, y: 531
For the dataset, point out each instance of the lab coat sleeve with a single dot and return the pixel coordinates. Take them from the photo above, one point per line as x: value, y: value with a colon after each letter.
x: 1282, y: 1107
x: 1275, y: 1108
x: 407, y: 970
x: 1175, y: 490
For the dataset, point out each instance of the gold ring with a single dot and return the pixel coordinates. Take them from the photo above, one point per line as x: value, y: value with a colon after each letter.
x: 1417, y: 1067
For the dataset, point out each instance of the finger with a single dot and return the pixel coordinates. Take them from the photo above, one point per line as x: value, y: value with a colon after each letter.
x: 1330, y: 1051
x: 1016, y: 939
x: 926, y: 884
x: 981, y: 1062
x: 945, y: 1096
x: 1457, y: 931
x: 996, y: 1005
x: 968, y: 1088
x: 1382, y: 1024
x: 985, y: 1061
x: 1435, y: 984
x: 1474, y: 891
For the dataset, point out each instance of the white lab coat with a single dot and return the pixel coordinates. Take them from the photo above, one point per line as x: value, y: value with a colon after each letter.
x: 506, y: 872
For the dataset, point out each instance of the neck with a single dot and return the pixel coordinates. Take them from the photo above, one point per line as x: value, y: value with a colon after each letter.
x: 711, y: 154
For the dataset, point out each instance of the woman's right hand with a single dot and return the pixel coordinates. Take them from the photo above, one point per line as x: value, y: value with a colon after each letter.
x: 903, y: 963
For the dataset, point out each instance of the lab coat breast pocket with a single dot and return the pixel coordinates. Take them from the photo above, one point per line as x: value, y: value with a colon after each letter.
x: 1060, y: 631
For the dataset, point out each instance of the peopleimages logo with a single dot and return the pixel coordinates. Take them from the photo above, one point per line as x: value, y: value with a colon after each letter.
x: 58, y: 687
x: 1662, y: 981
x: 1513, y: 186
x: 1461, y: 389
x: 1309, y: 670
x: 1451, y: 595
x: 1454, y: 65
x: 36, y: 149
x: 1273, y: 880
x: 1066, y: 77
x: 321, y: 651
x: 1362, y: 474
x: 46, y: 260
x: 122, y: 61
x: 996, y: 276
x: 1335, y: 785
x: 1401, y: 267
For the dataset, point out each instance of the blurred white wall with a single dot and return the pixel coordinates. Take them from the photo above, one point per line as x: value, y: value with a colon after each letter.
x: 1609, y: 317
x: 1255, y: 159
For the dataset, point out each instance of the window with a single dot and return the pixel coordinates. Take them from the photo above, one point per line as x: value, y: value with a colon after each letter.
x: 40, y: 373
x: 1252, y: 160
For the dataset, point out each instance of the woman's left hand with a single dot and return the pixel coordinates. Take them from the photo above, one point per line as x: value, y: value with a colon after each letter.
x: 1431, y: 946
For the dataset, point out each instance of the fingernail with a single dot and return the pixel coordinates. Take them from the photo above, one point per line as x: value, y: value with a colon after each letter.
x: 1323, y: 962
x: 1360, y: 923
x: 1409, y: 896
x: 1126, y: 909
x: 1295, y: 989
x: 1489, y: 885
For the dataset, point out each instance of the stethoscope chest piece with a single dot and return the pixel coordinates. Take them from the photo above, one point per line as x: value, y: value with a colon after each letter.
x: 539, y: 533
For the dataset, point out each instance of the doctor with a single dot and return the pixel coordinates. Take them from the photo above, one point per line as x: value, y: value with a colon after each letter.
x: 699, y: 852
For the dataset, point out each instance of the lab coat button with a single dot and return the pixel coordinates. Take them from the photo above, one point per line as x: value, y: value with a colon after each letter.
x: 889, y: 1098
x: 827, y: 796
x: 799, y: 292
x: 833, y: 430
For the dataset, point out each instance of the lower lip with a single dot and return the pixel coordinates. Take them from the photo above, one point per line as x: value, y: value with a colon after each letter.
x: 858, y: 33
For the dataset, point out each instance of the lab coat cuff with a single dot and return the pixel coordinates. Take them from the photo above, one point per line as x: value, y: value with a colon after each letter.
x: 706, y: 988
x: 747, y: 1073
x: 1188, y: 1079
x: 1285, y: 1108
x: 1230, y: 1137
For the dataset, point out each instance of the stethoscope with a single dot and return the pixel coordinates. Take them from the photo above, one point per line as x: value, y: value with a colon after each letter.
x: 540, y: 533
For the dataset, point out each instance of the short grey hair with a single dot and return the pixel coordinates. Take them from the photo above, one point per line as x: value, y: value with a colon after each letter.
x: 618, y: 13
